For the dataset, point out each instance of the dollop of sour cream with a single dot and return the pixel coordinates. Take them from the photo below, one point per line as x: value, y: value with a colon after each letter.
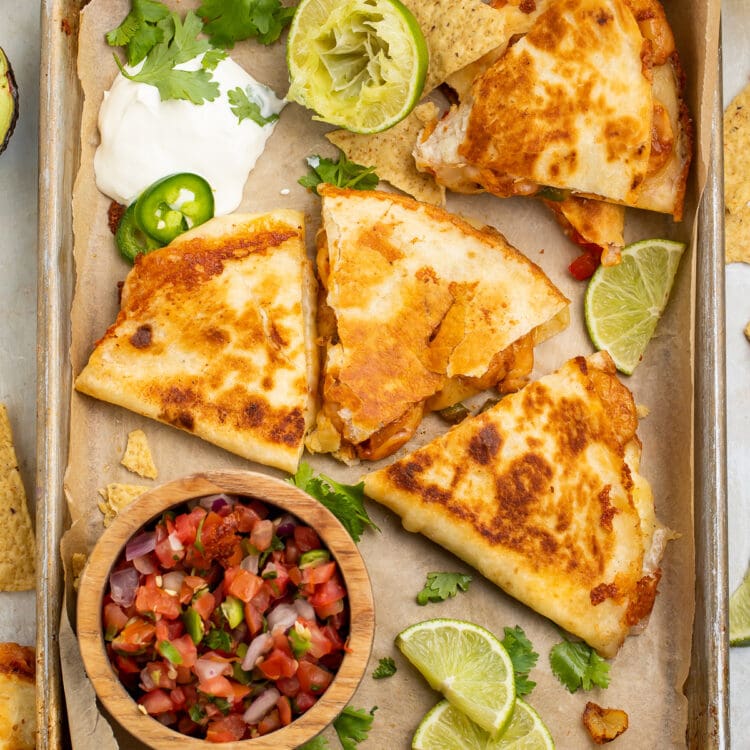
x: 144, y: 139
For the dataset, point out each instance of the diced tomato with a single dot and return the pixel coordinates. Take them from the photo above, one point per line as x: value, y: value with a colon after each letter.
x: 303, y: 701
x: 191, y: 584
x: 114, y: 620
x: 151, y: 599
x: 278, y: 664
x: 329, y: 610
x: 186, y: 525
x: 156, y: 702
x: 246, y: 518
x: 219, y: 538
x: 328, y: 592
x: 187, y: 650
x: 241, y: 583
x: 331, y: 632
x: 270, y: 722
x: 313, y: 678
x: 218, y: 686
x: 205, y: 604
x: 239, y: 692
x: 184, y: 675
x: 285, y: 710
x: 178, y: 698
x: 226, y: 729
x: 126, y: 664
x: 281, y: 641
x: 253, y: 618
x: 167, y: 630
x: 156, y: 675
x: 134, y: 637
x: 306, y: 538
x: 318, y: 574
x: 167, y: 556
x: 262, y: 535
x: 291, y: 552
x: 262, y: 599
x: 320, y: 644
x: 295, y: 575
x: 288, y: 686
x: 276, y: 578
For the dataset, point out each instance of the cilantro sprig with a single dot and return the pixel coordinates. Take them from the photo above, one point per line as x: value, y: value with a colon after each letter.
x: 179, y: 43
x: 248, y: 109
x: 139, y: 32
x: 386, y: 668
x: 230, y: 21
x: 345, y: 501
x: 442, y: 586
x: 578, y: 666
x: 341, y: 173
x: 353, y: 725
x: 523, y: 656
x: 316, y: 743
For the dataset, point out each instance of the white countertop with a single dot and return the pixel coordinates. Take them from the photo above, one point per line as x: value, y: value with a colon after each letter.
x: 19, y: 36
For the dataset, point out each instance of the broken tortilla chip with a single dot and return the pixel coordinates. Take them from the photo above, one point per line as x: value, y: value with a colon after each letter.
x: 390, y: 153
x: 457, y: 32
x: 138, y: 458
x: 737, y: 178
x: 115, y: 497
x: 17, y: 547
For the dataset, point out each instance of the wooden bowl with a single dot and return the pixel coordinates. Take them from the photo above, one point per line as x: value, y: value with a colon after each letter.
x: 149, y: 506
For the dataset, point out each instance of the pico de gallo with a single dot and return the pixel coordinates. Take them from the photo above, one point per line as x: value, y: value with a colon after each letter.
x: 226, y: 619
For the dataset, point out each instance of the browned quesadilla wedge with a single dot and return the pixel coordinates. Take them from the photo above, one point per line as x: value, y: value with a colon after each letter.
x: 542, y: 494
x: 588, y: 102
x: 418, y: 309
x: 216, y: 336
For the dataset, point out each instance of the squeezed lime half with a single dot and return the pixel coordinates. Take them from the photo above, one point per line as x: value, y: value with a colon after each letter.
x: 359, y: 64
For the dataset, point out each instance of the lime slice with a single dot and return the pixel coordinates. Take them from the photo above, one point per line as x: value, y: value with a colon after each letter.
x: 360, y: 64
x: 446, y: 728
x: 739, y: 614
x: 467, y: 664
x: 623, y: 303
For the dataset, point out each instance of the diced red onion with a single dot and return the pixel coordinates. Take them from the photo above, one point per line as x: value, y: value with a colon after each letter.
x: 260, y: 645
x: 261, y: 705
x: 207, y: 669
x: 140, y: 545
x: 250, y: 564
x: 123, y: 585
x: 282, y: 616
x: 147, y: 681
x: 145, y: 564
x: 216, y: 502
x: 172, y: 581
x: 285, y: 525
x: 305, y: 609
x: 174, y: 542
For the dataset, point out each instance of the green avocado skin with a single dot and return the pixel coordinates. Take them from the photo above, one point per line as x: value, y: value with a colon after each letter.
x: 8, y: 101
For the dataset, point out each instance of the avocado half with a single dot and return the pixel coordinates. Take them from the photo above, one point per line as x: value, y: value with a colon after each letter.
x: 8, y: 101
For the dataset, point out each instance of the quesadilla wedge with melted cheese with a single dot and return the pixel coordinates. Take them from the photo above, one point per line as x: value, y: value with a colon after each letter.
x: 542, y: 494
x: 417, y: 310
x: 587, y: 102
x: 215, y: 336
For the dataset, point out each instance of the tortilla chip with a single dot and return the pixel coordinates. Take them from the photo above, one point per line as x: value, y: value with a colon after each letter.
x: 77, y: 564
x: 390, y: 153
x: 17, y: 697
x: 115, y: 497
x: 17, y: 547
x: 737, y: 178
x: 457, y: 32
x: 138, y: 457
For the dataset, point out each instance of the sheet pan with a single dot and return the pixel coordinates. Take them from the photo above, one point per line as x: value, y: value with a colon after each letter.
x: 59, y: 153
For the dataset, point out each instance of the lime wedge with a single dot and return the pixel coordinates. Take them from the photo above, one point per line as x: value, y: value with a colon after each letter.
x: 739, y: 614
x: 623, y: 303
x: 360, y: 64
x: 467, y: 664
x: 446, y: 728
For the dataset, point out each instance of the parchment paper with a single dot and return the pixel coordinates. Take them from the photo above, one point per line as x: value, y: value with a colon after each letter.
x: 649, y: 672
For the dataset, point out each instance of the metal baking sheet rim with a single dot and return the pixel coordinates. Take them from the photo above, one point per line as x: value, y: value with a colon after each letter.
x: 707, y: 687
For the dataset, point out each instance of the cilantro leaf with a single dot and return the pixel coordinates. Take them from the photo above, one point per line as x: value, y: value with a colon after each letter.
x: 345, y: 501
x: 247, y: 109
x: 353, y: 725
x: 139, y: 31
x: 317, y: 743
x: 180, y: 43
x: 218, y: 639
x: 386, y: 668
x: 441, y: 586
x: 577, y: 666
x: 523, y: 656
x: 230, y: 21
x: 212, y: 58
x: 342, y: 173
